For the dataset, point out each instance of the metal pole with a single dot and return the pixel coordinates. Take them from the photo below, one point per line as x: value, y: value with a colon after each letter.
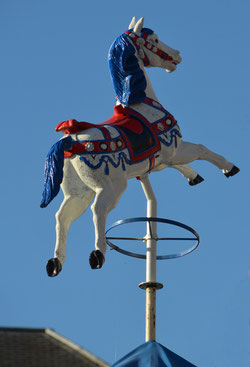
x: 151, y: 231
x: 151, y: 252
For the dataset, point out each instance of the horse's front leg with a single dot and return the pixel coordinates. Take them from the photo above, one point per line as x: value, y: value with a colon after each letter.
x: 188, y: 152
x: 106, y: 199
x: 187, y: 171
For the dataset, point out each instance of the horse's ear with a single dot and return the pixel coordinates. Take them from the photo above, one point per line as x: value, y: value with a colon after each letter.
x: 139, y: 25
x: 132, y: 23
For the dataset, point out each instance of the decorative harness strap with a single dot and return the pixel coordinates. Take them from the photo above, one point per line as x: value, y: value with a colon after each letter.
x: 142, y: 41
x: 159, y: 126
x: 166, y: 122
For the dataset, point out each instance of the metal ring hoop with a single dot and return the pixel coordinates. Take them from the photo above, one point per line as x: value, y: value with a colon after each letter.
x: 152, y: 219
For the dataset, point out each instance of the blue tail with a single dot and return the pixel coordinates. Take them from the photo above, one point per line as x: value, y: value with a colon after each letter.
x: 54, y: 170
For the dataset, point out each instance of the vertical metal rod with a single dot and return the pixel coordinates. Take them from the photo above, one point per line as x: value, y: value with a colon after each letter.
x: 150, y: 329
x: 151, y: 231
x: 151, y: 254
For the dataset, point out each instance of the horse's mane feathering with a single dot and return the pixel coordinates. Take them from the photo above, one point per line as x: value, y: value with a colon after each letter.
x: 127, y: 76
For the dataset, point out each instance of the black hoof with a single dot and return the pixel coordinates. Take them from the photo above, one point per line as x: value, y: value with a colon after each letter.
x: 198, y: 179
x: 233, y: 172
x: 96, y: 259
x: 53, y: 267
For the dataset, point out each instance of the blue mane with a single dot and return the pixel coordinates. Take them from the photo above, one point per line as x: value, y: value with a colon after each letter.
x: 128, y: 78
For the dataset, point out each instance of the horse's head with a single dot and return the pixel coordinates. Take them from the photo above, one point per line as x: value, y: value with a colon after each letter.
x: 151, y: 50
x: 129, y: 52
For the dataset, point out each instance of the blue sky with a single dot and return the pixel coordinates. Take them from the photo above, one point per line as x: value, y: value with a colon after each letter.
x: 54, y: 67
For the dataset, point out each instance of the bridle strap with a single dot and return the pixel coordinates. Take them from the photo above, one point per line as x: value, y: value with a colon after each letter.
x: 163, y: 55
x: 134, y: 38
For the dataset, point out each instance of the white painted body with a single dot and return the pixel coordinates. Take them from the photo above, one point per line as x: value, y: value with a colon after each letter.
x: 81, y: 184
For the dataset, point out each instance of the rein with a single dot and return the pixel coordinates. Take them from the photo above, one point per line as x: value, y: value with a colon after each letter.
x: 142, y: 41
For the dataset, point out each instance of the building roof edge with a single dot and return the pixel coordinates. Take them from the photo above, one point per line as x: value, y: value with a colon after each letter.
x: 77, y: 348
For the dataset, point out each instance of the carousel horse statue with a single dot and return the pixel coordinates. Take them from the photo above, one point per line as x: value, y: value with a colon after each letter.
x: 94, y: 161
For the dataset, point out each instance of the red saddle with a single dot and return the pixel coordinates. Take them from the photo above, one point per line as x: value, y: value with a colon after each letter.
x: 136, y: 134
x: 120, y: 117
x: 73, y: 126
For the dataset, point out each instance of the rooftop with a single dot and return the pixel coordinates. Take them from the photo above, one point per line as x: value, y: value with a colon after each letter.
x: 25, y: 347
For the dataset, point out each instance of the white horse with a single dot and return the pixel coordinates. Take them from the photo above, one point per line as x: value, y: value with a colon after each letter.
x: 95, y: 161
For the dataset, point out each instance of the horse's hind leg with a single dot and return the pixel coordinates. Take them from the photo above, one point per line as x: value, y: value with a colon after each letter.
x: 188, y: 152
x: 106, y: 199
x: 77, y: 199
x: 72, y: 208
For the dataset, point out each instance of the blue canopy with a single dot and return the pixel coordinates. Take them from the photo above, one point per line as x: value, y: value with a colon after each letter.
x: 152, y: 354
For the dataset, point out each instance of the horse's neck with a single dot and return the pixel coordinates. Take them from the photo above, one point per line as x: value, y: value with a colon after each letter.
x: 149, y: 89
x: 149, y: 112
